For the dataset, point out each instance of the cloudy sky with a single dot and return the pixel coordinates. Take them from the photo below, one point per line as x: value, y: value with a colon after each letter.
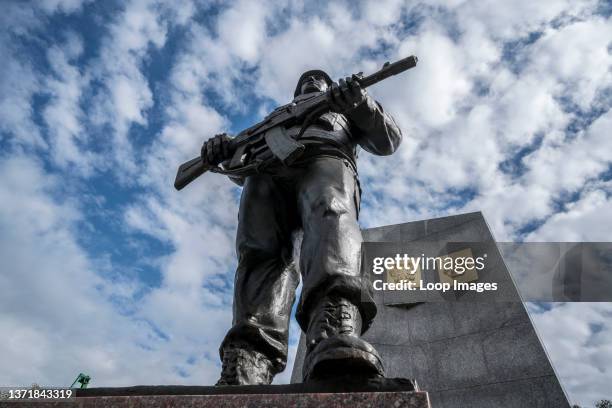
x: 107, y: 270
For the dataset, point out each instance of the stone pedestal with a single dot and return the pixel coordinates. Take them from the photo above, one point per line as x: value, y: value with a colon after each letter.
x: 323, y: 400
x: 393, y: 392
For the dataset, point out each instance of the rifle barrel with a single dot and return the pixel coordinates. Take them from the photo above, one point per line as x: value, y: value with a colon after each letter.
x: 389, y: 70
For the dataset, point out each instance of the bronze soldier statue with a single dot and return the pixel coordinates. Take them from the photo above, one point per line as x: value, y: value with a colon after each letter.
x: 319, y: 194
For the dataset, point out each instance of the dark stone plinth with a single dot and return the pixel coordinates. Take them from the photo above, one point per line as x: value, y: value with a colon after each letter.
x: 414, y: 399
x: 346, y: 392
x: 341, y: 385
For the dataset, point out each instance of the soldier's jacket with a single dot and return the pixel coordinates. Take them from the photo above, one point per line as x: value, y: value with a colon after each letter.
x: 368, y: 126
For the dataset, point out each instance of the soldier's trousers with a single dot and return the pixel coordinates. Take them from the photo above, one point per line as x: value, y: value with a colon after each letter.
x: 321, y: 197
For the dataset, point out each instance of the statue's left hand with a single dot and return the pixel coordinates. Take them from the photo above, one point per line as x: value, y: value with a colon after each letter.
x: 216, y: 149
x: 346, y: 95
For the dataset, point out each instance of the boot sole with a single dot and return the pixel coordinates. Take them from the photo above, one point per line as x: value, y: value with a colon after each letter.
x: 343, y: 356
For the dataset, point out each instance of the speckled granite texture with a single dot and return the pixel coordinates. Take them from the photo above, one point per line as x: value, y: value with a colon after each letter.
x: 417, y: 399
x: 465, y: 354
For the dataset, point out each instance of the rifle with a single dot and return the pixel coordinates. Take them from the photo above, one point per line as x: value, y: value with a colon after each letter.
x: 259, y: 144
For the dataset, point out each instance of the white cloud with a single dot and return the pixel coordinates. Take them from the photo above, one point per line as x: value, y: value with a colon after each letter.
x: 510, y: 20
x: 63, y: 114
x: 567, y: 166
x: 581, y: 355
x: 19, y: 82
x: 584, y: 220
x: 53, y: 303
x: 325, y: 41
x: 127, y: 95
x: 17, y: 87
x: 577, y: 57
x: 242, y: 29
x: 136, y: 350
x: 382, y: 13
x: 61, y: 316
x: 438, y: 83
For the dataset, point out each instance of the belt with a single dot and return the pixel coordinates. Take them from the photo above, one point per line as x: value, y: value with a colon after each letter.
x: 318, y: 149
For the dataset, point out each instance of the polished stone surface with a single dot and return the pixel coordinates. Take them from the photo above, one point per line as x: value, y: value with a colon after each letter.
x: 464, y: 353
x: 313, y: 400
x: 338, y: 385
x: 348, y: 391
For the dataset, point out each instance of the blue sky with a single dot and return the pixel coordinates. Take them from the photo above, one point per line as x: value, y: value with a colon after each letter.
x: 108, y: 270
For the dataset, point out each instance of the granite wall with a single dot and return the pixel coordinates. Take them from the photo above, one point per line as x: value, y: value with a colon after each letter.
x: 464, y: 353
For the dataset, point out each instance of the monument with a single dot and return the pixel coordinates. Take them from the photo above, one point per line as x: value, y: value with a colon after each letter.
x: 306, y: 181
x: 298, y: 170
x: 466, y: 345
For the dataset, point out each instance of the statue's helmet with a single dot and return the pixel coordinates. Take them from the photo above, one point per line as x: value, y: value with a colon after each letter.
x: 307, y: 74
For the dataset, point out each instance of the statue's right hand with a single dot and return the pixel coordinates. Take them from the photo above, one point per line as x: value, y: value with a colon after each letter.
x: 216, y: 149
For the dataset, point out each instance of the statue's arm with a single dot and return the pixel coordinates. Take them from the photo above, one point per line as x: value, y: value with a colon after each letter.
x: 374, y: 129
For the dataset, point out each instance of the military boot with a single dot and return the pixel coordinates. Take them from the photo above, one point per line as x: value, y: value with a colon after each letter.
x: 334, y: 347
x: 242, y: 365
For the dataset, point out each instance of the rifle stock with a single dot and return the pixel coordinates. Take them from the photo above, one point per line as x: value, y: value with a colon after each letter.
x: 192, y: 169
x: 189, y: 171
